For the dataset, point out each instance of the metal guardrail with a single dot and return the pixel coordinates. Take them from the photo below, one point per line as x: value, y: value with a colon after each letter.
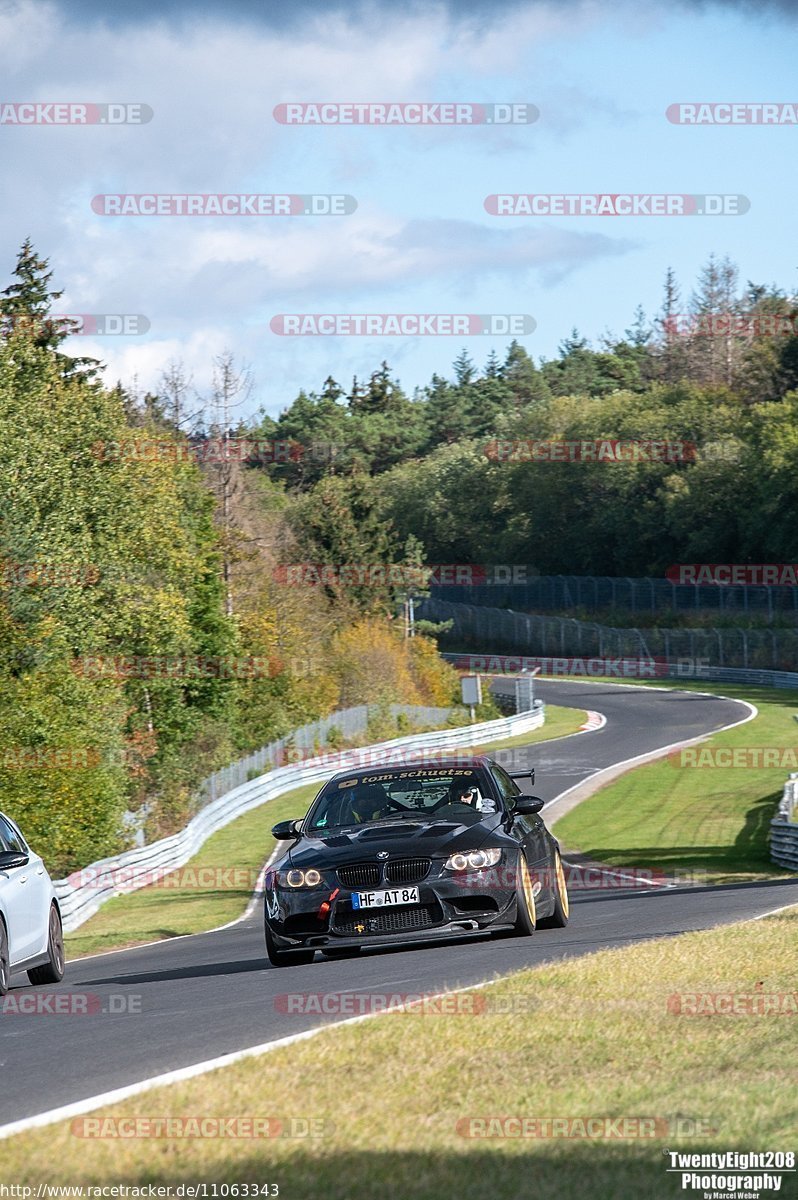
x: 84, y: 892
x: 348, y: 721
x: 784, y: 827
x: 750, y: 676
x: 788, y: 808
x: 625, y: 670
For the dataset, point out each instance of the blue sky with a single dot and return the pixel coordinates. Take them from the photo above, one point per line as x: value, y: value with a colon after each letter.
x: 420, y: 240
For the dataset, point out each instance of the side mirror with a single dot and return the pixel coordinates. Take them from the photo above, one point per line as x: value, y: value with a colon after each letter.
x: 12, y: 858
x: 286, y: 831
x: 525, y: 806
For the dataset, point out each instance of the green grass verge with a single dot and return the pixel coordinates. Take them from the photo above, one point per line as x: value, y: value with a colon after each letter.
x: 589, y: 1037
x: 694, y: 819
x: 560, y: 722
x: 230, y: 860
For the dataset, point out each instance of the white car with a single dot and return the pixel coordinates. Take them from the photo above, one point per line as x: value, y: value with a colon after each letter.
x: 31, y: 937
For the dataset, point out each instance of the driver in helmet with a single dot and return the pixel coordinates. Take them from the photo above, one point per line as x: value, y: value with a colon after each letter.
x: 465, y: 792
x: 369, y: 803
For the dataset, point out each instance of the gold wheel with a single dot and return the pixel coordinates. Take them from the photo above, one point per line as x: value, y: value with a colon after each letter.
x: 562, y: 888
x: 527, y: 888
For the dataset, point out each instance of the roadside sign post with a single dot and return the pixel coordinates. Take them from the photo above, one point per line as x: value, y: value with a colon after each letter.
x: 525, y: 691
x: 471, y: 691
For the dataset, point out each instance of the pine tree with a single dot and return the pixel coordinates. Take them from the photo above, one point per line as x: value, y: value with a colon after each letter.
x: 525, y: 380
x: 707, y: 302
x: 730, y: 307
x: 356, y: 395
x: 671, y: 353
x: 381, y: 396
x: 464, y: 369
x: 331, y: 391
x: 788, y: 366
x: 25, y: 311
x: 640, y: 333
x: 493, y: 367
x: 446, y: 412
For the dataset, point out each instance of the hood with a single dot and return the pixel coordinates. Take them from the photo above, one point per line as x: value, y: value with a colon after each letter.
x: 402, y: 839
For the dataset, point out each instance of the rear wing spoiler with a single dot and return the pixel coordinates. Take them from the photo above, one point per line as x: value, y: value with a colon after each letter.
x: 530, y: 774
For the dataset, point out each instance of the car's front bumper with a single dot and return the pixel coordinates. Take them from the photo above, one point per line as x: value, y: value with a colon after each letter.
x: 297, y: 920
x: 437, y: 933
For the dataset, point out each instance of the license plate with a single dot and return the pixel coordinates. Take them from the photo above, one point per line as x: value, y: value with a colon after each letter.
x: 408, y: 895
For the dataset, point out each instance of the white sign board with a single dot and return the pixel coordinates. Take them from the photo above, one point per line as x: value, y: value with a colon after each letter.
x: 524, y: 693
x: 471, y: 689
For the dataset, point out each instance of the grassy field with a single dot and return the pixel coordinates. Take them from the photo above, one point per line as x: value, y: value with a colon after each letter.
x: 595, y: 1037
x: 217, y: 884
x: 694, y: 818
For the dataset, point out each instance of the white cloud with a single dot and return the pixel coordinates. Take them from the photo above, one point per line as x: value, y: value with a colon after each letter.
x: 213, y: 82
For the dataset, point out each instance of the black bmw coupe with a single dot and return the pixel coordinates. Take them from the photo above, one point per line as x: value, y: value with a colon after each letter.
x: 398, y: 854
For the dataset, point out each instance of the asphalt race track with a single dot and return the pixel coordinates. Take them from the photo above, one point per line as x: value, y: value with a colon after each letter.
x: 196, y: 998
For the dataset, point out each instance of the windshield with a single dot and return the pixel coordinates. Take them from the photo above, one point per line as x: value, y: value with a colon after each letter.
x: 429, y: 793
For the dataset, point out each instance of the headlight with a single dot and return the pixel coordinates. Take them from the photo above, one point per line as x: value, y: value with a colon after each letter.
x: 300, y: 879
x: 472, y: 860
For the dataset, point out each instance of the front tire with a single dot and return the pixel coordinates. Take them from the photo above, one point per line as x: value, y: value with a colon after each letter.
x: 5, y: 961
x: 53, y: 970
x: 286, y: 958
x: 559, y: 918
x: 526, y: 918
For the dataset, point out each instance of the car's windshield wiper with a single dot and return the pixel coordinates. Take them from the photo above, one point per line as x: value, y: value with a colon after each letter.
x: 406, y: 812
x: 364, y: 824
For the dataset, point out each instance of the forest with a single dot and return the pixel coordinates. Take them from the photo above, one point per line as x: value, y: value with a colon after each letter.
x: 156, y: 619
